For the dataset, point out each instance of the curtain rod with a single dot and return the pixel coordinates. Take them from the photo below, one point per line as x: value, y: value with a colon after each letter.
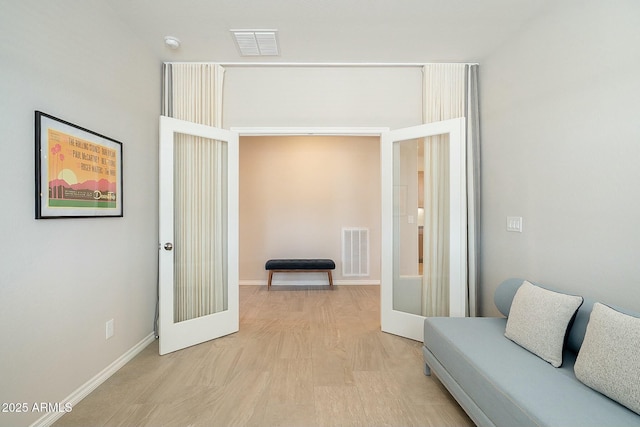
x: 318, y: 64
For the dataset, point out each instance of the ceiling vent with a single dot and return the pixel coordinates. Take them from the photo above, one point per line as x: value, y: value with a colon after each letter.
x: 256, y: 42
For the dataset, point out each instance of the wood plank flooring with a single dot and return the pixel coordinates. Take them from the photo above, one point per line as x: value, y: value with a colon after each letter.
x: 303, y: 357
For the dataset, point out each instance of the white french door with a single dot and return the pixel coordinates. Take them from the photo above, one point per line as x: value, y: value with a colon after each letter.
x: 198, y: 220
x: 403, y: 284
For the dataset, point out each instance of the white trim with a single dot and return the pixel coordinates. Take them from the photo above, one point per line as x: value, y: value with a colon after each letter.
x: 252, y: 283
x: 346, y: 131
x: 458, y: 216
x: 313, y: 282
x: 360, y: 282
x: 84, y: 390
x: 321, y: 64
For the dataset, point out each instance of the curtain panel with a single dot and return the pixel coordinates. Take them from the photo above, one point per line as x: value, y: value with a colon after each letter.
x: 449, y: 91
x: 193, y: 92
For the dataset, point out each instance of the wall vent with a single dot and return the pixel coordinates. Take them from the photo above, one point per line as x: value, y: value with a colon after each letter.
x: 256, y: 42
x: 355, y: 251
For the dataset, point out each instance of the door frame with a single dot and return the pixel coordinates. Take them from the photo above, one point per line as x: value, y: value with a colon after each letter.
x: 309, y: 131
x: 346, y: 131
x: 386, y: 240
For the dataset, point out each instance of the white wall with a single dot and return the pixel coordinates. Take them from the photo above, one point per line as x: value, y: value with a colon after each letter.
x: 61, y: 280
x: 296, y: 194
x: 561, y: 148
x: 322, y: 96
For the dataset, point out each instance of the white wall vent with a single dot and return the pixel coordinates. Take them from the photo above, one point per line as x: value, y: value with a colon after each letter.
x: 355, y: 251
x: 256, y: 42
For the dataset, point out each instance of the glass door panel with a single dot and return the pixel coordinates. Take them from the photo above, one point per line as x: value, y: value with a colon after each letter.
x: 200, y: 223
x: 406, y: 263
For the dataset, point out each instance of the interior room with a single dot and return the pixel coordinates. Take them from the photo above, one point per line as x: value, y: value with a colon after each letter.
x: 292, y: 192
x: 558, y: 149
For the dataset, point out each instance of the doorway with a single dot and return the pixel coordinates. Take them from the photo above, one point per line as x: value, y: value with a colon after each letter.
x: 395, y: 320
x: 297, y: 195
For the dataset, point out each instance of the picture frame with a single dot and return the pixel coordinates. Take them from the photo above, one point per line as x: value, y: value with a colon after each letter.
x: 78, y: 172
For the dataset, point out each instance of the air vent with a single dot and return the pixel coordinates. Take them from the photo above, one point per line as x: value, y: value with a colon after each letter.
x: 256, y: 42
x: 355, y: 251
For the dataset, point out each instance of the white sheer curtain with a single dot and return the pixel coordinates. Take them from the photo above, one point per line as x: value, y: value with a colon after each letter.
x: 193, y: 92
x: 446, y: 95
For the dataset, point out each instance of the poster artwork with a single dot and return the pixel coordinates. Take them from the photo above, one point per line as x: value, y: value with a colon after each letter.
x: 82, y: 174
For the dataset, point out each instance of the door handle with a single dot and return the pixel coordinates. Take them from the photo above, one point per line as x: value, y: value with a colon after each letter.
x: 168, y: 246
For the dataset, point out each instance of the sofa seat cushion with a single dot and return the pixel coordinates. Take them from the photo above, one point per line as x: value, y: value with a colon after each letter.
x: 512, y: 386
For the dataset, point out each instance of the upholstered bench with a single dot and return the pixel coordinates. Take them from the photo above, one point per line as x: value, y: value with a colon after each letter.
x: 300, y: 265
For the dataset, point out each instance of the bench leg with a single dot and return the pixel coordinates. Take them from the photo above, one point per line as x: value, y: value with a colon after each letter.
x: 314, y: 271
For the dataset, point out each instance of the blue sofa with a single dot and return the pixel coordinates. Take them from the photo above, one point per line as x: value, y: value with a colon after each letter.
x: 499, y: 383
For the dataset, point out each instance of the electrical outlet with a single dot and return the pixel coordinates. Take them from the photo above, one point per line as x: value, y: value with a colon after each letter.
x: 514, y: 223
x: 109, y: 329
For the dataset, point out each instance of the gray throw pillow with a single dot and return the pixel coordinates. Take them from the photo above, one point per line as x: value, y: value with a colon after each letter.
x: 609, y: 359
x: 538, y: 321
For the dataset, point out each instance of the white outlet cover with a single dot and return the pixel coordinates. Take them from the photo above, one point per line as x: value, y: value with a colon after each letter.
x: 109, y: 329
x: 514, y: 223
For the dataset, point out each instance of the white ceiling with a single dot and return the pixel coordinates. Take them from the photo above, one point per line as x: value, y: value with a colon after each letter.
x: 315, y: 31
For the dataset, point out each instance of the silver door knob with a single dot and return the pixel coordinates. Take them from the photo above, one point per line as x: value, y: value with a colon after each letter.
x: 168, y: 246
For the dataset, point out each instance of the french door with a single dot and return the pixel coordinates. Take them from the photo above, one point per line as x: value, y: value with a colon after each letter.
x: 198, y: 220
x: 414, y: 274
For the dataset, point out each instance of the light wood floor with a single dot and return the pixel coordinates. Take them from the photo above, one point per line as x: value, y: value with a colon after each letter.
x: 303, y: 357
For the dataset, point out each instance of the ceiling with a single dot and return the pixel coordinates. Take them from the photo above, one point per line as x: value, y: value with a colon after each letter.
x: 331, y: 31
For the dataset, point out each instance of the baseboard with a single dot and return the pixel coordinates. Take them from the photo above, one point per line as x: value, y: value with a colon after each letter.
x: 84, y: 390
x: 361, y: 282
x: 343, y: 282
x: 252, y: 283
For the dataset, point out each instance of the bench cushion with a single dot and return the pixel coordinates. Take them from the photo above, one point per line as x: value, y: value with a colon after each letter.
x: 300, y: 264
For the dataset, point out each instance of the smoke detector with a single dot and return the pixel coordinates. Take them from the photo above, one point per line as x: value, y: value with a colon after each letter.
x: 172, y: 42
x: 256, y: 42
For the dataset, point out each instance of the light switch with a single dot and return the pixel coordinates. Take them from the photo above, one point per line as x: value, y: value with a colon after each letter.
x: 109, y: 328
x: 411, y: 219
x: 514, y: 223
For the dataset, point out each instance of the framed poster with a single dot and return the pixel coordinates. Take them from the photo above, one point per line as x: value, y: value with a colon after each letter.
x: 78, y: 172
